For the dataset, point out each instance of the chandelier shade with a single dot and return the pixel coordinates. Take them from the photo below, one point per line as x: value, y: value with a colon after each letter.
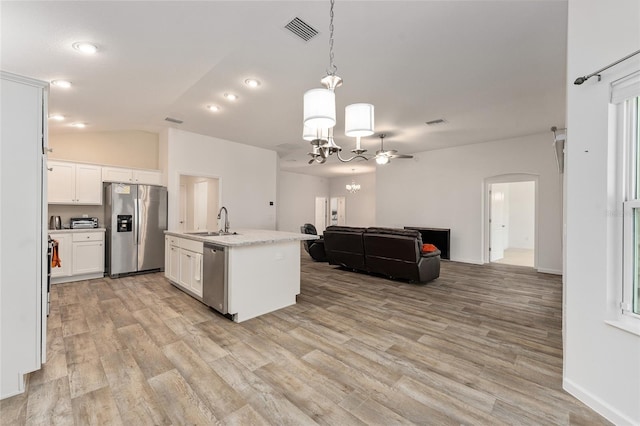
x: 359, y: 120
x: 309, y: 134
x: 319, y: 109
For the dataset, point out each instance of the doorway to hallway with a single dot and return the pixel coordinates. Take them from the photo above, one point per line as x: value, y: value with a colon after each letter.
x: 512, y: 222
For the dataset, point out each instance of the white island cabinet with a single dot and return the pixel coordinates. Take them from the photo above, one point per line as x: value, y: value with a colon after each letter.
x: 183, y: 264
x: 262, y: 268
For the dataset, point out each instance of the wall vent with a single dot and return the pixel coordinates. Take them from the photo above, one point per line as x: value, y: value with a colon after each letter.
x: 300, y: 28
x: 173, y: 120
x: 436, y: 122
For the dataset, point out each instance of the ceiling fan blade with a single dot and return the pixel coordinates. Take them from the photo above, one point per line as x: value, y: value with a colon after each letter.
x: 400, y: 156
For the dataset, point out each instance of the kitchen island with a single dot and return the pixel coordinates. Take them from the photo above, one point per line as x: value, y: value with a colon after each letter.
x: 261, y: 269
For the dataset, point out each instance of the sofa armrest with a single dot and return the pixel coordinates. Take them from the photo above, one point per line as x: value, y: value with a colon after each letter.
x: 430, y: 253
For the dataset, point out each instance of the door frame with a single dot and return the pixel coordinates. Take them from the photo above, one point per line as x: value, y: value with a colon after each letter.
x: 486, y: 209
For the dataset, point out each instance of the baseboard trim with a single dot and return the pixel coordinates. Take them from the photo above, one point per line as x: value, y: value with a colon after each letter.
x: 549, y: 271
x: 597, y: 404
x: 473, y: 262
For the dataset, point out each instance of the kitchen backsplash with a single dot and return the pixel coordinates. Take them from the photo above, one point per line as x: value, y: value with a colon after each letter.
x: 66, y: 212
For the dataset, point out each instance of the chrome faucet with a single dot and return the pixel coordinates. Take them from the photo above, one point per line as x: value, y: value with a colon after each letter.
x: 226, y: 219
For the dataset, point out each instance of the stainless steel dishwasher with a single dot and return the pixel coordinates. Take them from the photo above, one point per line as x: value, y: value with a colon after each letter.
x: 214, y: 278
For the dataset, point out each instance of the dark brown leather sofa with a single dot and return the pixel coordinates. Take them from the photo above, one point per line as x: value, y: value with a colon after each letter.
x: 394, y: 253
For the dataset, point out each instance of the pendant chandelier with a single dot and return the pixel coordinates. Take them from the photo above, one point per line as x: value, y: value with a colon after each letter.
x: 352, y: 187
x: 320, y: 115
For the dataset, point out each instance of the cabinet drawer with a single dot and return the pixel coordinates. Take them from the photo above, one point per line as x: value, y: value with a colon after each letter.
x: 173, y: 241
x: 88, y: 236
x: 196, y: 246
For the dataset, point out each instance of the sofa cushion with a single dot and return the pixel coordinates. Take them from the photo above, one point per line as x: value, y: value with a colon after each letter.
x: 343, y: 246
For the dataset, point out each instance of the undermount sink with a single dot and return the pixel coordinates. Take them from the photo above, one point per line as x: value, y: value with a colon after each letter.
x: 211, y: 233
x: 204, y: 233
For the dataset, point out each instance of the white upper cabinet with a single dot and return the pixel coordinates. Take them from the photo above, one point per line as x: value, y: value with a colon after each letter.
x: 73, y: 183
x: 119, y: 174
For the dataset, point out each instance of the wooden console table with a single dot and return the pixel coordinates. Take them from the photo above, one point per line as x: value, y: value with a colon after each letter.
x: 439, y: 237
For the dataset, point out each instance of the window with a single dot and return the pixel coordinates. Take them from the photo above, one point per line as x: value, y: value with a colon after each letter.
x: 626, y: 96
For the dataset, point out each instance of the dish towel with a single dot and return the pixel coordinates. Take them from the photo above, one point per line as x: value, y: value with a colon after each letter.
x: 55, y: 259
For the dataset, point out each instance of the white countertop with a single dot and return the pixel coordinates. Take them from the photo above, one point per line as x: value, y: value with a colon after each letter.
x: 245, y: 237
x: 73, y: 231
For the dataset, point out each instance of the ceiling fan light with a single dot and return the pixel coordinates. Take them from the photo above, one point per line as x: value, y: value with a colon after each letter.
x: 358, y: 120
x: 382, y: 159
x: 319, y: 109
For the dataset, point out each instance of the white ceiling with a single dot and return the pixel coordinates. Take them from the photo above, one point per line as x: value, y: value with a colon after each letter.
x: 492, y: 69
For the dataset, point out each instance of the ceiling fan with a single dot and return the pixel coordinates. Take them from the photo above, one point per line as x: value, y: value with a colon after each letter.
x: 383, y: 157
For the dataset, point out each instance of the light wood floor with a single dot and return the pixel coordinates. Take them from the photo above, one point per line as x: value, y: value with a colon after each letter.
x: 517, y: 257
x: 479, y: 346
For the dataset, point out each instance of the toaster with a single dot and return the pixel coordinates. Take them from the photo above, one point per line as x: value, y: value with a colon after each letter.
x: 83, y: 222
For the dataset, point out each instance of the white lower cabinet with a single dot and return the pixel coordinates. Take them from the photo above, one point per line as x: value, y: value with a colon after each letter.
x: 184, y: 264
x: 173, y: 268
x: 64, y: 253
x: 87, y: 253
x: 81, y: 256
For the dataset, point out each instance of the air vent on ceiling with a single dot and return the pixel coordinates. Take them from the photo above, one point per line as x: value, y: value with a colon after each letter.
x: 173, y: 120
x: 436, y: 122
x: 301, y: 29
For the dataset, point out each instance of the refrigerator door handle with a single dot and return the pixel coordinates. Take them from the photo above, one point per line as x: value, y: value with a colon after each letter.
x: 136, y: 220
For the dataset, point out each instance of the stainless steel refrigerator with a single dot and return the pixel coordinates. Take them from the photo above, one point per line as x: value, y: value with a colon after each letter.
x: 136, y: 218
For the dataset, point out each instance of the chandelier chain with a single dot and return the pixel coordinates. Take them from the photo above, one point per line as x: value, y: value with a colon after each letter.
x: 332, y: 68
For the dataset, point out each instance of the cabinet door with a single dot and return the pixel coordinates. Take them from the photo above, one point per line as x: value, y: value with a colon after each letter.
x: 88, y: 257
x: 149, y: 177
x: 88, y: 184
x: 196, y: 281
x: 61, y: 182
x: 167, y: 247
x: 186, y: 268
x: 116, y: 174
x: 64, y: 253
x: 173, y: 266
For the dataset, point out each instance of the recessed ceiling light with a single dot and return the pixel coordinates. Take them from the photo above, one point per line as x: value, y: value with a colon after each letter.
x: 252, y: 82
x: 86, y: 48
x: 57, y: 117
x: 79, y: 125
x: 231, y: 96
x: 61, y: 83
x: 213, y: 108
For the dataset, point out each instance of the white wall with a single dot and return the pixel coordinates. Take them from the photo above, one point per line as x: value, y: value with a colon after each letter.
x: 247, y: 176
x: 522, y: 216
x: 601, y: 362
x: 297, y: 198
x: 445, y: 189
x: 360, y: 207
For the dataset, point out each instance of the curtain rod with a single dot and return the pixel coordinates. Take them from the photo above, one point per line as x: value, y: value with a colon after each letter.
x: 581, y: 80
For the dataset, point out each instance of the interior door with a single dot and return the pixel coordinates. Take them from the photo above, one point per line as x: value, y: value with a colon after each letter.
x: 200, y: 194
x: 337, y: 211
x: 497, y: 222
x: 182, y: 215
x: 321, y: 214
